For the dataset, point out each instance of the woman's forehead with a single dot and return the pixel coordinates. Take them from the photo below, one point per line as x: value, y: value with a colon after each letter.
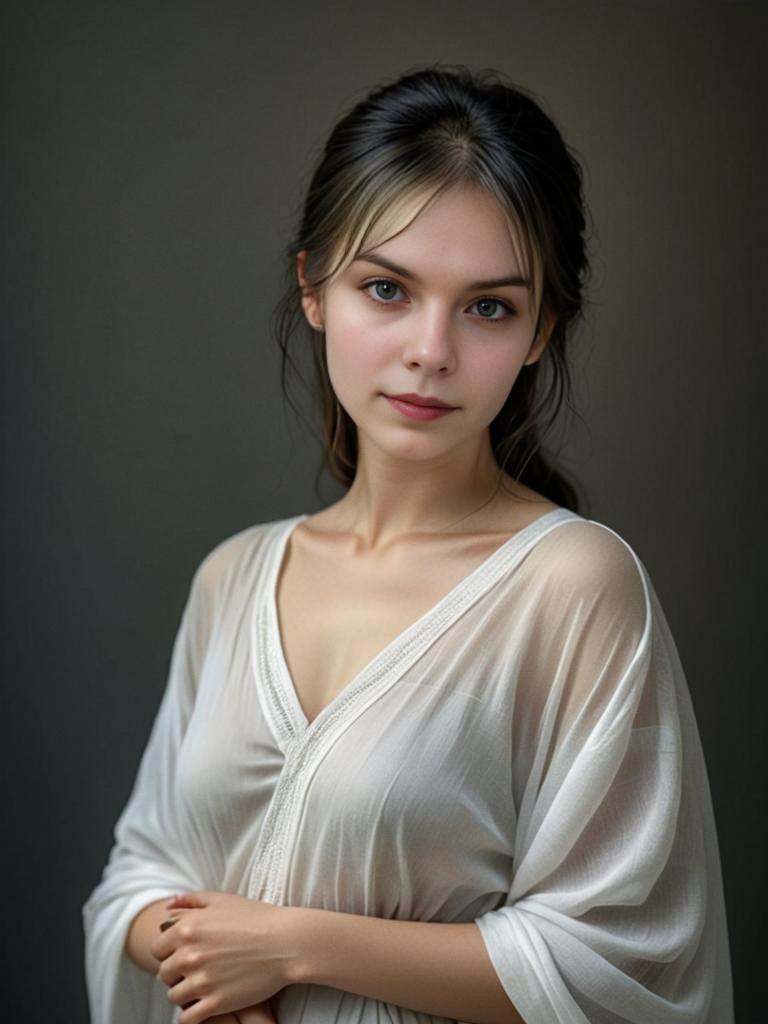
x: 472, y: 209
x: 423, y: 230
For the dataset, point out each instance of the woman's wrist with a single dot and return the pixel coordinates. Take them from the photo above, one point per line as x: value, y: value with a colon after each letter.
x: 302, y: 935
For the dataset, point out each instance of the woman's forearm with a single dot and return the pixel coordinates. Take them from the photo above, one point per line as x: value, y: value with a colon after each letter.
x: 432, y: 968
x: 143, y: 931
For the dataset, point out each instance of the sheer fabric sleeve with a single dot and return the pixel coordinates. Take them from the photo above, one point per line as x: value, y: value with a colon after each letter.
x: 615, y: 910
x: 151, y: 856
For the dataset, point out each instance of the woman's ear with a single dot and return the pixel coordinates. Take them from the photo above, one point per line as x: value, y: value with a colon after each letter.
x: 542, y: 339
x: 310, y: 300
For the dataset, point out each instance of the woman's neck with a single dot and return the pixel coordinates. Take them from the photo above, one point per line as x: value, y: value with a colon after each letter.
x: 391, y: 499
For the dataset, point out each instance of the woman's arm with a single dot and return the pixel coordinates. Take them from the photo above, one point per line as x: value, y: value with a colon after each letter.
x: 434, y: 968
x: 247, y: 950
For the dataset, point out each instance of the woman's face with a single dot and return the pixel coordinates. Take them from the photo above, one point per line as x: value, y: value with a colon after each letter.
x: 431, y: 322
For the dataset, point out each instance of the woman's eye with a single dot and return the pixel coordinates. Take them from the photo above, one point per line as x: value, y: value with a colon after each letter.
x: 384, y: 289
x: 484, y: 304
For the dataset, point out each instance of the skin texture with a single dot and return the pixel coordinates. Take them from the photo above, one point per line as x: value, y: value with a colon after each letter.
x: 233, y: 953
x: 426, y: 337
x: 433, y: 334
x: 141, y: 938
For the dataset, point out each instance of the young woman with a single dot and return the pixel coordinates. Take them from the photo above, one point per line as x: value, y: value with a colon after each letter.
x: 429, y: 753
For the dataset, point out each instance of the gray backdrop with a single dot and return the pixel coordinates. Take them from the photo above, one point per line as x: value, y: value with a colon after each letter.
x: 156, y: 154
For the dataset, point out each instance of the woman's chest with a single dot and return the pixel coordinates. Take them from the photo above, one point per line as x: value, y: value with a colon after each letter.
x: 335, y: 617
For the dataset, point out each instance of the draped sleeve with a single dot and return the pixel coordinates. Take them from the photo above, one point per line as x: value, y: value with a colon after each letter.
x: 151, y: 857
x: 615, y: 910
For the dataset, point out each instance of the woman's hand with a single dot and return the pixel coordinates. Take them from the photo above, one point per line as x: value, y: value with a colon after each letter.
x: 259, y: 1014
x: 222, y: 954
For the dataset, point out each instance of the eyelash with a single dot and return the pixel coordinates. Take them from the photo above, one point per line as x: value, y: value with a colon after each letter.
x: 511, y: 311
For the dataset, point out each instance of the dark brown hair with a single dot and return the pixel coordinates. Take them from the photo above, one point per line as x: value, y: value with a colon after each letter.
x: 385, y: 159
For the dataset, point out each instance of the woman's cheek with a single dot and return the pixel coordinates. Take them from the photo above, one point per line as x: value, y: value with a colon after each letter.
x: 353, y: 374
x: 358, y: 352
x: 350, y: 318
x: 492, y: 377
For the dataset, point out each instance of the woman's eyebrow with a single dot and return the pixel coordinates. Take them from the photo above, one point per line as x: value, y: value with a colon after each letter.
x: 497, y: 282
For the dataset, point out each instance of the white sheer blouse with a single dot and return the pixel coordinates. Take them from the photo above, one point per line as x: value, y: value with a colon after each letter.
x: 525, y: 756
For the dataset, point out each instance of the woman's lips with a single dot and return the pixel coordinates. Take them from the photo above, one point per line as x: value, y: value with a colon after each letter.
x: 417, y: 412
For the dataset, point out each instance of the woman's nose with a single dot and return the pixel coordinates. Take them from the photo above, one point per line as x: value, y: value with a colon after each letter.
x: 430, y: 342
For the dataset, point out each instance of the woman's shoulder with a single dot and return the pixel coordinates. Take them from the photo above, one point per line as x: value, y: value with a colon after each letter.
x: 571, y: 544
x: 586, y: 556
x: 237, y: 553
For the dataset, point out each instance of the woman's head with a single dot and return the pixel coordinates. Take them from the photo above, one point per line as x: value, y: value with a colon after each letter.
x: 409, y: 146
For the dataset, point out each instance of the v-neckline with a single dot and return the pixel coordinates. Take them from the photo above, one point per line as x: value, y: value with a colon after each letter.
x: 273, y: 654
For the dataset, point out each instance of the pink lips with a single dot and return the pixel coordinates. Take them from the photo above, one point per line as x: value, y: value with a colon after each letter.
x: 418, y: 412
x: 414, y: 399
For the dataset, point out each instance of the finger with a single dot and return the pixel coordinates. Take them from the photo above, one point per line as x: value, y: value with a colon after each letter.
x: 184, y: 992
x: 176, y: 915
x: 260, y: 1013
x: 164, y: 944
x: 169, y: 973
x: 188, y: 899
x: 198, y: 1012
x: 169, y: 938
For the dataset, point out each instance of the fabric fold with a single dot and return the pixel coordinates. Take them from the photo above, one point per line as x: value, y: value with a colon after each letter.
x: 148, y: 860
x: 611, y: 916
